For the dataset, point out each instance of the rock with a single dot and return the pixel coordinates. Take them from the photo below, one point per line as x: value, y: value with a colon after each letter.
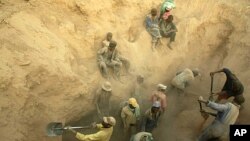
x: 67, y: 27
x: 25, y: 63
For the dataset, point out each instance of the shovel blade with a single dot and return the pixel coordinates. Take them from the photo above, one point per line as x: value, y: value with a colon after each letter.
x: 54, y: 129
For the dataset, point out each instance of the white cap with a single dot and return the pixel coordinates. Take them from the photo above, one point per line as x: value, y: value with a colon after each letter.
x: 106, y: 86
x: 196, y: 72
x: 156, y: 104
x: 161, y: 86
x: 109, y: 120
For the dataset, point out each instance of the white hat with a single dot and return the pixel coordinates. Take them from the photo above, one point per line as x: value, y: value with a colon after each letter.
x: 168, y: 7
x: 156, y: 104
x: 196, y: 72
x: 161, y: 86
x: 109, y: 120
x: 106, y: 86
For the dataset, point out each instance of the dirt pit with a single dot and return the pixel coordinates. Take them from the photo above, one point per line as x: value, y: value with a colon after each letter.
x: 48, y: 69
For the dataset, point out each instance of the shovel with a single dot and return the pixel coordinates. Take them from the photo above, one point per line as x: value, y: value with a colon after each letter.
x: 211, y: 89
x: 56, y: 129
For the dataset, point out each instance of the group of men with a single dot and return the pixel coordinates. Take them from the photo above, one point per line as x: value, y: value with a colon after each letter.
x: 157, y: 26
x: 162, y: 25
x: 139, y: 127
x: 109, y: 56
x: 143, y: 124
x: 136, y: 126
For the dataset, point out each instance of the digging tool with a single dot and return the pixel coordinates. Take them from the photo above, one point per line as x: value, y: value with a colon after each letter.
x: 211, y: 89
x: 200, y: 106
x: 204, y: 113
x: 56, y: 128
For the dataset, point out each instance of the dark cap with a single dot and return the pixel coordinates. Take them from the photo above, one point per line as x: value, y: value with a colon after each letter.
x: 154, y: 11
x: 112, y: 44
x: 109, y: 34
x: 239, y: 99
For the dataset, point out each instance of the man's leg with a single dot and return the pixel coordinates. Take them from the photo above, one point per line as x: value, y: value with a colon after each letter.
x: 103, y: 69
x: 154, y: 41
x: 156, y: 36
x: 126, y: 63
x: 207, y: 134
x: 171, y: 35
x: 116, y: 66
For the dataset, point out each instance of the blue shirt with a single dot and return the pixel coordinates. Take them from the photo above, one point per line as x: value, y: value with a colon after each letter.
x: 225, y: 111
x: 152, y: 22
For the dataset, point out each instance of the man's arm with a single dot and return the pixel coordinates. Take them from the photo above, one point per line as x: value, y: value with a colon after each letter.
x: 100, y: 53
x: 148, y: 22
x: 123, y: 116
x: 116, y: 55
x: 218, y: 71
x: 144, y: 120
x: 217, y: 107
x: 213, y: 105
x: 105, y: 43
x: 162, y: 27
x: 96, y: 96
x: 97, y: 100
x: 173, y: 29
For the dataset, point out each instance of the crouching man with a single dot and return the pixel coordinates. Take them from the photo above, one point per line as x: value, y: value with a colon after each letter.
x: 104, y: 133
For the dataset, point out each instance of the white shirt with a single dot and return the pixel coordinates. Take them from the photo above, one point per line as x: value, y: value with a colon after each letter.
x: 182, y: 78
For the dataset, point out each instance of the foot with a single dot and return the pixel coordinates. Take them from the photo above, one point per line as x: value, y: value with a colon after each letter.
x: 153, y: 49
x: 129, y: 72
x: 116, y: 77
x: 160, y: 41
x: 169, y: 45
x: 180, y: 92
x: 153, y: 46
x: 106, y: 77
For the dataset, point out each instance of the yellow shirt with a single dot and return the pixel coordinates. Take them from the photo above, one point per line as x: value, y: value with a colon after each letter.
x: 128, y: 117
x: 103, y: 135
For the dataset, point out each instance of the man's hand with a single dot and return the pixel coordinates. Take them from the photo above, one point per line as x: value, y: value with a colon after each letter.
x: 211, y: 74
x: 202, y: 100
x: 67, y: 127
x: 211, y: 98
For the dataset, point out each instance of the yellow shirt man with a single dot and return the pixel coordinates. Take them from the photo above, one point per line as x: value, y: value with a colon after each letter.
x: 103, y: 135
